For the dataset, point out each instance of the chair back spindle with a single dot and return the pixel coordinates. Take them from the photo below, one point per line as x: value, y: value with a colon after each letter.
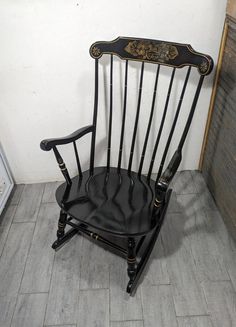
x: 123, y: 117
x: 110, y: 115
x: 161, y: 125
x: 77, y: 160
x: 136, y: 119
x: 173, y: 124
x: 149, y: 122
x: 190, y: 117
x: 95, y: 113
x: 177, y: 156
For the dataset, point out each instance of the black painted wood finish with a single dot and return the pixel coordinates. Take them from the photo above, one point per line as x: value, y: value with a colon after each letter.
x: 112, y: 202
x: 154, y: 51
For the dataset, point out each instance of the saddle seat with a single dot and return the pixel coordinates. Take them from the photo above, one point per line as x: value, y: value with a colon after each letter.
x: 112, y: 201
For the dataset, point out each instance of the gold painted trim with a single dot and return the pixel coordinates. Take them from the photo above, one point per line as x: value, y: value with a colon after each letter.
x: 189, y: 47
x: 62, y: 166
x: 131, y: 260
x: 213, y: 94
x: 96, y: 51
x: 94, y: 235
x: 143, y: 49
x: 157, y: 205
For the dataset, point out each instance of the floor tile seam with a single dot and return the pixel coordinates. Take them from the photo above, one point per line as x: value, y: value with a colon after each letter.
x: 127, y: 320
x: 8, y: 230
x: 172, y: 299
x: 37, y: 207
x: 31, y: 242
x: 30, y: 245
x: 94, y: 289
x: 193, y: 316
x: 26, y: 293
x: 49, y: 288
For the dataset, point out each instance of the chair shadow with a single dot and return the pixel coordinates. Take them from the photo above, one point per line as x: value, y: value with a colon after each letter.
x: 197, y: 220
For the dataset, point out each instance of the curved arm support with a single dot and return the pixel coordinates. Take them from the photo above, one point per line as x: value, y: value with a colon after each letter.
x: 165, y: 179
x: 47, y: 145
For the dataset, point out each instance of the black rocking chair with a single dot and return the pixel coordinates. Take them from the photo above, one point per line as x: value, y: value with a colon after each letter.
x: 121, y: 208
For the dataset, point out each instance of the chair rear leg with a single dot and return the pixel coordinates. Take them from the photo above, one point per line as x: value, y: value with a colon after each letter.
x: 131, y: 261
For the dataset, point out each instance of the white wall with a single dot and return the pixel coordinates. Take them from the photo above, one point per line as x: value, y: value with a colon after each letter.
x: 46, y: 73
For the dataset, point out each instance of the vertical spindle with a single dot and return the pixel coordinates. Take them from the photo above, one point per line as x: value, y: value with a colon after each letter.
x: 149, y: 122
x: 110, y: 116
x: 176, y: 159
x: 123, y: 117
x: 161, y: 125
x: 192, y: 110
x: 77, y: 160
x: 62, y: 166
x: 93, y: 139
x: 136, y: 119
x: 174, y: 123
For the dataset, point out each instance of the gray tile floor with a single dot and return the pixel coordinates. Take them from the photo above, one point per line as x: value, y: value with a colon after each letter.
x: 190, y: 280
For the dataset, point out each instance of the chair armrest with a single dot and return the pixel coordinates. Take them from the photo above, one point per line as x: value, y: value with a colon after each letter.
x: 165, y: 179
x: 47, y: 145
x: 171, y: 169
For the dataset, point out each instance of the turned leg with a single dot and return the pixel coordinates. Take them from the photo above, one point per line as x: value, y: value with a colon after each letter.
x: 131, y: 260
x: 61, y: 224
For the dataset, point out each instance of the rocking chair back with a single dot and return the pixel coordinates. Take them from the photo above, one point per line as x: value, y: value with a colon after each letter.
x: 173, y: 55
